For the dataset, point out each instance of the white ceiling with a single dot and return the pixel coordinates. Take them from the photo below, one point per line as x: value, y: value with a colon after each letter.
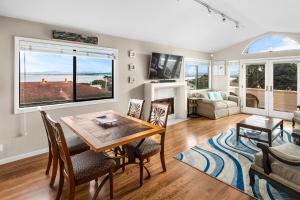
x: 180, y: 23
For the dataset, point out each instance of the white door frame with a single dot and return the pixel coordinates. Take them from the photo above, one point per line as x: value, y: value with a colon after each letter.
x: 268, y: 85
x: 246, y: 109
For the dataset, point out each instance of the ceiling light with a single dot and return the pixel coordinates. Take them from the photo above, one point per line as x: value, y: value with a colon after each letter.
x: 225, y: 17
x: 208, y: 11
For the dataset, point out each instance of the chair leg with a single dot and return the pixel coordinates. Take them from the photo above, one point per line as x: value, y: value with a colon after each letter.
x: 294, y: 123
x: 61, y: 183
x: 141, y: 172
x: 54, y: 170
x: 162, y: 160
x: 49, y: 161
x: 111, y: 183
x: 71, y: 190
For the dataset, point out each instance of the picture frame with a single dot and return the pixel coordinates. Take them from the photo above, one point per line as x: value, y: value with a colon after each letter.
x: 219, y: 68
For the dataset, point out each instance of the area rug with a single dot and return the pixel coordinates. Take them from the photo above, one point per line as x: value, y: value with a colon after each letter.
x: 228, y: 162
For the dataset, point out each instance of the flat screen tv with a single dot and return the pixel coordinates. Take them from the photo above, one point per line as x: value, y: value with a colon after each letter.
x: 165, y: 66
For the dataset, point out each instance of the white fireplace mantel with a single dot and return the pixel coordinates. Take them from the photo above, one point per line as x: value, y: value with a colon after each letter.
x: 176, y: 90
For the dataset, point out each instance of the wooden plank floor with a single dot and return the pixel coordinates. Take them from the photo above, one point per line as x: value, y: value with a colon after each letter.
x: 26, y: 179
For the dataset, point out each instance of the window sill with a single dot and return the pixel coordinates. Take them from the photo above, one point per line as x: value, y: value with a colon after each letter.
x: 64, y: 105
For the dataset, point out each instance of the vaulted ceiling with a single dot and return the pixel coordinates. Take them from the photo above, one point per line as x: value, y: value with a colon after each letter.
x: 180, y: 23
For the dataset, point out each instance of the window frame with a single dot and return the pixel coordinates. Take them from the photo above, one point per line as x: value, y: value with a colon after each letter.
x: 187, y: 60
x: 245, y: 53
x: 229, y: 72
x: 18, y: 109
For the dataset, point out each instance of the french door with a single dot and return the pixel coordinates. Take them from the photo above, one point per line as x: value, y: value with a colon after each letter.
x: 270, y: 87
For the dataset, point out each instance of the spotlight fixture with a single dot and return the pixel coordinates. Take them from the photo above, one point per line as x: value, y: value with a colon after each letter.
x: 223, y: 18
x: 209, y: 11
x: 218, y: 12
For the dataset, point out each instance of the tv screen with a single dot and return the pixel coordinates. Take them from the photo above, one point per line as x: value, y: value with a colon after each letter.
x: 165, y: 66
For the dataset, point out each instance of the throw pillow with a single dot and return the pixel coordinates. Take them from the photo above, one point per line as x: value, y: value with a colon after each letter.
x: 218, y: 96
x: 211, y: 96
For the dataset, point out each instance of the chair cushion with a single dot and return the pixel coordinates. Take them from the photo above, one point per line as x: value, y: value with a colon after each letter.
x: 148, y: 147
x: 220, y: 105
x: 297, y: 114
x: 88, y: 165
x: 287, y: 172
x: 230, y: 104
x: 76, y: 145
x: 287, y: 151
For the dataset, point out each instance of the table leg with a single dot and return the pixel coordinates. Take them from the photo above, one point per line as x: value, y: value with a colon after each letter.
x: 270, y: 138
x: 281, y: 129
x: 237, y: 133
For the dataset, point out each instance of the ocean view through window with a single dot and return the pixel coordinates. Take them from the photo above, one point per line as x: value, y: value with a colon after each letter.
x: 196, y: 75
x: 50, y: 77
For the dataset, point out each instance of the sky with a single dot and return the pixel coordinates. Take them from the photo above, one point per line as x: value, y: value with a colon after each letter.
x: 272, y: 43
x: 53, y: 63
x: 190, y: 69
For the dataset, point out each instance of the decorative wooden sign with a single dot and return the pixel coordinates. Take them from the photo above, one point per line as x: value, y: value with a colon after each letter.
x: 61, y: 35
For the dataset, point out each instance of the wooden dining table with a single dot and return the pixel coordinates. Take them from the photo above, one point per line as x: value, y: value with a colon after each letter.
x: 100, y: 138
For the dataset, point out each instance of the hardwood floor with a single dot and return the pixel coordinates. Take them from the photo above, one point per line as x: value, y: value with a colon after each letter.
x: 26, y: 179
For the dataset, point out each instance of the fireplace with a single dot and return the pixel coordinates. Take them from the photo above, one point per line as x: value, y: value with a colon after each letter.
x: 167, y: 100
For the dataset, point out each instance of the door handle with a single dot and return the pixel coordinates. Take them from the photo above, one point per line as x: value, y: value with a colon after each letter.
x: 271, y: 88
x: 267, y: 88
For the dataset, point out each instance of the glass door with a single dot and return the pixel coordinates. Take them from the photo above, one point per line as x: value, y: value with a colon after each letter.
x: 283, y: 88
x: 255, y: 92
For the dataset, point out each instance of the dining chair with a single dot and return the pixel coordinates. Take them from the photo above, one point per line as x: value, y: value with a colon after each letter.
x: 135, y: 108
x: 74, y: 144
x: 148, y: 147
x: 80, y: 168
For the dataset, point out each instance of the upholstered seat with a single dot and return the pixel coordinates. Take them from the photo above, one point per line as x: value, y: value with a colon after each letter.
x: 76, y: 145
x: 280, y: 166
x: 148, y: 147
x: 230, y: 104
x: 90, y: 164
x: 220, y: 105
x: 286, y: 151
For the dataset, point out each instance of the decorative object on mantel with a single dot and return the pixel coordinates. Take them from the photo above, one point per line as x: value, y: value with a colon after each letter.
x: 75, y: 37
x: 219, y: 68
x: 131, y: 67
x: 131, y: 54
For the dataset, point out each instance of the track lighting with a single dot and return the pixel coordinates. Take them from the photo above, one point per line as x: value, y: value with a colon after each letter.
x: 225, y: 17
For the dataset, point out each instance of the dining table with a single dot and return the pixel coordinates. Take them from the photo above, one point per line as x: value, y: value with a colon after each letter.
x: 116, y: 130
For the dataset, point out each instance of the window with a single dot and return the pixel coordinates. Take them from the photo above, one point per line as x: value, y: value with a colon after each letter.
x: 51, y: 73
x: 272, y: 43
x: 197, y: 74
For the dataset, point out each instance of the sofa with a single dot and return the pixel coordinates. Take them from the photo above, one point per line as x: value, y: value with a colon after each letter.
x: 229, y: 105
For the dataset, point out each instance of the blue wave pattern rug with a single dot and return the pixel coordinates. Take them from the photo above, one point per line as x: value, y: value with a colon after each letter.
x: 228, y: 162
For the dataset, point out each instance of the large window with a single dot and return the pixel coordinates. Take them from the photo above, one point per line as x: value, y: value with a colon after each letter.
x: 234, y: 71
x: 272, y: 43
x: 196, y: 74
x: 51, y: 74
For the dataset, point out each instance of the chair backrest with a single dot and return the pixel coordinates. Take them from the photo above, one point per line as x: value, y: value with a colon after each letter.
x: 62, y: 147
x: 49, y: 132
x: 159, y: 114
x: 135, y: 108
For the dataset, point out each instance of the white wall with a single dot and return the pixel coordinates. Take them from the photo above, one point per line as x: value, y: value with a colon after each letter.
x: 13, y: 126
x: 235, y: 52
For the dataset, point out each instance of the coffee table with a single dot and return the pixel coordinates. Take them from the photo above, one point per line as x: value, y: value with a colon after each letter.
x: 267, y: 125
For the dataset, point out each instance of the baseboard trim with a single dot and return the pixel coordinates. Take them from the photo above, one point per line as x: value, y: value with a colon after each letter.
x: 22, y: 156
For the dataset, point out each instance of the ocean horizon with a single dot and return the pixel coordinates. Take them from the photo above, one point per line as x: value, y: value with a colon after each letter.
x: 81, y: 77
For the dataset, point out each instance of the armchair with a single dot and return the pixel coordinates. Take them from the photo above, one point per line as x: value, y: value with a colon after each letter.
x: 296, y: 118
x: 280, y: 166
